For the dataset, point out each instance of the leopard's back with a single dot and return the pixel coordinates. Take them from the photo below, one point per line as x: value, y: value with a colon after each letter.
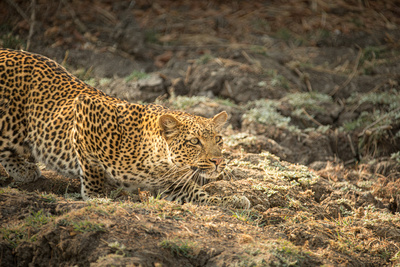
x: 36, y: 116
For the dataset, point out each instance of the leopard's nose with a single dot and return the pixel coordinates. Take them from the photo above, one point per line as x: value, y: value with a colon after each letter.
x: 217, y: 161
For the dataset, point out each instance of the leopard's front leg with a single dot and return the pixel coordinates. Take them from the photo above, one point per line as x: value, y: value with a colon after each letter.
x: 92, y: 179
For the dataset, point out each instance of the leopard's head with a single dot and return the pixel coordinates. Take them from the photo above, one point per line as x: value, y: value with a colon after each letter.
x: 195, y: 142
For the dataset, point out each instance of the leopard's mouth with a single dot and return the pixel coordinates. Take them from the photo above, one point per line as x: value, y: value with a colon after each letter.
x: 208, y: 173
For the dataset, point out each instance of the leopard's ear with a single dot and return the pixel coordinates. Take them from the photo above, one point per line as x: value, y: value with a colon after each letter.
x: 169, y: 125
x: 220, y: 119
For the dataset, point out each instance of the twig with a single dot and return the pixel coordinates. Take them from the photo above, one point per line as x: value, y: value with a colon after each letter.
x: 248, y: 58
x: 32, y: 26
x: 308, y: 83
x: 311, y: 118
x: 228, y: 88
x: 78, y: 23
x: 19, y: 10
x: 351, y: 145
x: 187, y: 76
x: 109, y: 17
x: 252, y: 61
x: 350, y: 161
x: 304, y: 77
x: 351, y: 76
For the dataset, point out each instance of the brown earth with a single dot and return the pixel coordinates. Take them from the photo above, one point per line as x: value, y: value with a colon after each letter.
x: 313, y: 141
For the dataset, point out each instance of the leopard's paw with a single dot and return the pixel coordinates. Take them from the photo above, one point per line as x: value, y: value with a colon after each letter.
x: 26, y: 173
x: 238, y: 202
x: 214, y: 201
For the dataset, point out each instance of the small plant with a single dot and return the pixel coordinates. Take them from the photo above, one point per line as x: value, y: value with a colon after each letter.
x: 265, y: 112
x: 259, y: 49
x: 266, y: 190
x: 287, y: 253
x: 239, y: 138
x: 346, y: 221
x: 17, y: 233
x: 13, y: 235
x: 396, y: 257
x: 371, y: 53
x: 277, y: 79
x: 284, y: 34
x: 362, y: 121
x: 366, y: 185
x: 375, y: 123
x: 105, y: 81
x: 260, y: 24
x: 137, y: 75
x: 88, y: 226
x: 99, y: 200
x: 395, y: 156
x: 115, y: 193
x: 225, y: 102
x: 91, y: 81
x: 323, y: 34
x: 204, y: 59
x: 11, y: 41
x: 118, y: 248
x: 184, y: 102
x: 73, y: 196
x: 50, y: 198
x: 84, y: 74
x: 289, y: 37
x: 151, y: 36
x: 179, y: 247
x: 312, y: 101
x: 247, y: 216
x: 389, y: 98
x: 37, y: 219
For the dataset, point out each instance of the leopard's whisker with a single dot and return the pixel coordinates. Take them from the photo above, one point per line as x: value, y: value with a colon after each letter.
x: 197, y: 178
x: 174, y: 170
x: 203, y: 180
x: 172, y: 187
x: 185, y: 177
x: 179, y: 180
x: 228, y: 173
x: 187, y: 181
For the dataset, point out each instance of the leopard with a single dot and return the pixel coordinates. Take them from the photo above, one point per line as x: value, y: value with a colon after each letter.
x: 48, y: 115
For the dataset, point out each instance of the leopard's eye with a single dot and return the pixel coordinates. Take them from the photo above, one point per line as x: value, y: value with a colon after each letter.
x: 218, y: 138
x: 194, y: 141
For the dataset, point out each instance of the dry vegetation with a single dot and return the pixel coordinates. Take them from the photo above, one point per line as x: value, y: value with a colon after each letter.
x: 313, y: 141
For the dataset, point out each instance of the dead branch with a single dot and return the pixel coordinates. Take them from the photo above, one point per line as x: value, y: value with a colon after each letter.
x: 75, y: 18
x: 311, y: 118
x: 305, y: 77
x: 32, y: 24
x: 351, y: 145
x: 351, y: 76
x: 19, y: 10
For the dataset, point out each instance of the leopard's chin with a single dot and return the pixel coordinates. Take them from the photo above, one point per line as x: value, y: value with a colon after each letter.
x: 210, y: 174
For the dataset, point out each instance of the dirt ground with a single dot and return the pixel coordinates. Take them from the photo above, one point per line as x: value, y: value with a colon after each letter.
x: 313, y: 141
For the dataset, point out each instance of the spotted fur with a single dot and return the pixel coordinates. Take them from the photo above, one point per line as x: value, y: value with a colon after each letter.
x: 48, y: 115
